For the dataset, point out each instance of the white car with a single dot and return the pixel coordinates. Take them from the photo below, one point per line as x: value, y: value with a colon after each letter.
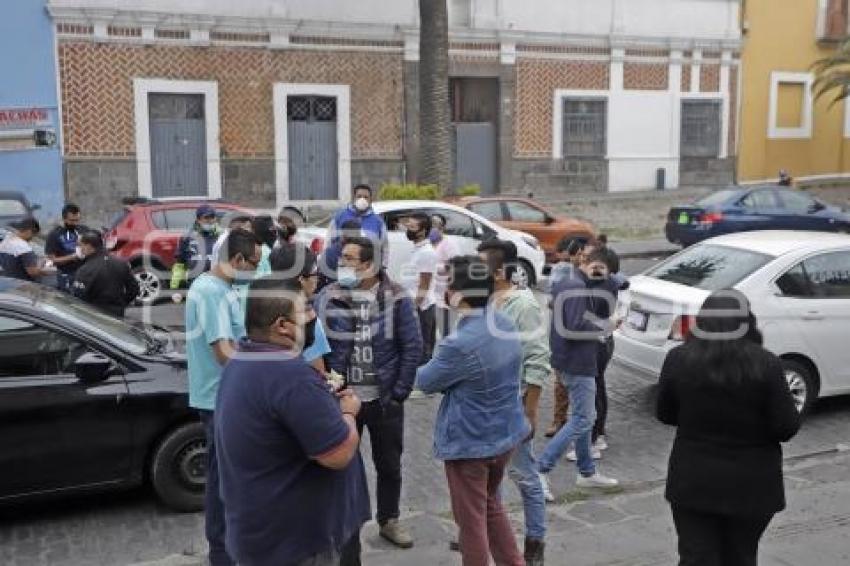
x: 467, y: 229
x: 798, y: 284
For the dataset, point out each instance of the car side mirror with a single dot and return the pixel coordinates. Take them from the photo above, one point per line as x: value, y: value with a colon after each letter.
x: 35, y: 207
x: 92, y: 367
x: 549, y: 219
x: 816, y: 207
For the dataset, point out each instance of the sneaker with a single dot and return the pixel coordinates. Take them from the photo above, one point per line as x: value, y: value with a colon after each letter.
x: 601, y: 443
x: 596, y: 480
x: 396, y: 534
x: 547, y: 490
x: 594, y: 452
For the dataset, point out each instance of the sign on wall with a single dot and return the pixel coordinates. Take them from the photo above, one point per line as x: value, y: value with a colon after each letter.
x: 23, y: 118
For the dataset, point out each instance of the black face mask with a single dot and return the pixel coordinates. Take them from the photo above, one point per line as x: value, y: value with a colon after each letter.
x: 412, y: 236
x: 596, y: 277
x: 309, y: 334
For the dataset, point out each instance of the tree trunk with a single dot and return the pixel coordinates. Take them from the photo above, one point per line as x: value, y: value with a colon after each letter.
x: 435, y: 166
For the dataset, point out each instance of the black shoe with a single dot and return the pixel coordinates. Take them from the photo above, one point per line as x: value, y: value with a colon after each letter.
x: 534, y: 550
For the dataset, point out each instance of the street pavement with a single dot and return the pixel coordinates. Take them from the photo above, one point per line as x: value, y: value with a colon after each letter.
x: 628, y: 526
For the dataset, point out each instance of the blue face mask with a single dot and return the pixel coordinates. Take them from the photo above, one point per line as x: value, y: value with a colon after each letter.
x: 435, y: 236
x: 347, y: 277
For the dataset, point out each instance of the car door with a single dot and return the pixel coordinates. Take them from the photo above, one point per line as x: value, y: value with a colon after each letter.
x: 492, y: 210
x: 527, y: 218
x: 56, y: 432
x: 814, y: 297
x: 802, y: 212
x: 760, y: 209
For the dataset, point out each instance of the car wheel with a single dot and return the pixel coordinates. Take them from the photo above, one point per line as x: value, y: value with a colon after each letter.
x: 150, y: 285
x: 524, y: 275
x: 179, y: 468
x: 801, y: 383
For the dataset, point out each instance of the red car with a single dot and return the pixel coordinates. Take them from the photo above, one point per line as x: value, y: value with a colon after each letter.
x: 146, y: 234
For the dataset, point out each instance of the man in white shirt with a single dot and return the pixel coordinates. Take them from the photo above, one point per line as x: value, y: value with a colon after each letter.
x: 418, y: 277
x: 446, y: 249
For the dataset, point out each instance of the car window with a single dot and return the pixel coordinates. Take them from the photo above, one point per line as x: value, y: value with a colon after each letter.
x: 158, y: 219
x: 11, y: 207
x: 521, y: 212
x: 30, y: 350
x: 396, y: 220
x: 118, y: 218
x: 829, y: 274
x: 710, y: 267
x: 491, y: 210
x: 760, y: 200
x: 717, y: 198
x: 180, y: 219
x: 457, y: 223
x: 795, y: 283
x: 797, y: 202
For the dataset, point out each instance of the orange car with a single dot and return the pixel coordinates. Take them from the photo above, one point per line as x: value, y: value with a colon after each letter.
x: 527, y: 215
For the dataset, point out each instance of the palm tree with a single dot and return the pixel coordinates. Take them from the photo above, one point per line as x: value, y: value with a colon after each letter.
x: 833, y: 74
x: 434, y: 120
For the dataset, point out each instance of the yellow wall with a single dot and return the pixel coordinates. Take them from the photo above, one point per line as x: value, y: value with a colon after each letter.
x: 781, y: 37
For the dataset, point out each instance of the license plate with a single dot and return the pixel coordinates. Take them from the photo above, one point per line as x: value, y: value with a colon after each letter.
x: 684, y: 218
x: 637, y: 320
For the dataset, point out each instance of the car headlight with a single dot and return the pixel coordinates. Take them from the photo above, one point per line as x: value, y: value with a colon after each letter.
x: 532, y: 242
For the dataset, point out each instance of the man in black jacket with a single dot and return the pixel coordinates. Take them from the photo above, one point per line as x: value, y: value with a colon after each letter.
x: 62, y: 246
x: 104, y: 281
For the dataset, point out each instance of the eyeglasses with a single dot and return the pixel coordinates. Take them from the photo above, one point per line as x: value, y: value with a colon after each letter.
x: 253, y: 261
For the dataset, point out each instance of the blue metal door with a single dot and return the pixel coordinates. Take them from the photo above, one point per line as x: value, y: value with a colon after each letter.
x: 178, y: 145
x: 313, y: 153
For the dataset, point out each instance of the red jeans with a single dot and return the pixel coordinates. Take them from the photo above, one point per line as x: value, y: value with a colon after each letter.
x: 482, y: 521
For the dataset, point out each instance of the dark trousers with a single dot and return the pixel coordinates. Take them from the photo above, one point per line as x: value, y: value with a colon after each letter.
x: 428, y: 326
x: 386, y: 434
x: 603, y: 358
x: 213, y: 505
x: 706, y: 539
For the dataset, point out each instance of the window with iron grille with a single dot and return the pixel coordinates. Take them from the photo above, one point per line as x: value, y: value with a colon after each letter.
x: 311, y: 108
x: 585, y: 127
x: 700, y: 128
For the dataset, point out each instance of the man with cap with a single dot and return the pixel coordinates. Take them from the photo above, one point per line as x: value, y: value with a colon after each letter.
x: 102, y: 280
x: 195, y: 250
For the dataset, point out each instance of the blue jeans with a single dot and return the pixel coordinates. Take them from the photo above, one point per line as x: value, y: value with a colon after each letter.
x: 523, y: 470
x: 582, y: 392
x: 213, y: 505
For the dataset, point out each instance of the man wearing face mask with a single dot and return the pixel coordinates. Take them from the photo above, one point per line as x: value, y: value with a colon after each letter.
x: 419, y: 278
x: 574, y: 338
x: 292, y: 479
x: 104, y: 281
x: 376, y: 344
x: 195, y: 253
x: 371, y: 225
x: 214, y: 322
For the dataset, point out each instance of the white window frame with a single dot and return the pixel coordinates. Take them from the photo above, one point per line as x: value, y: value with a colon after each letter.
x: 774, y: 131
x: 342, y: 93
x: 847, y: 118
x: 558, y: 116
x: 209, y: 89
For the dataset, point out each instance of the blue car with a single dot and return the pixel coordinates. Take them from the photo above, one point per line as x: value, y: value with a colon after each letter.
x: 741, y: 209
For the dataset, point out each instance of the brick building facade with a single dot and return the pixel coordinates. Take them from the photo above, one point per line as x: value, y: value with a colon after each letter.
x: 569, y: 115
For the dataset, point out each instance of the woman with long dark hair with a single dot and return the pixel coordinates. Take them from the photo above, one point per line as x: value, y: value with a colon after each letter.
x: 728, y: 397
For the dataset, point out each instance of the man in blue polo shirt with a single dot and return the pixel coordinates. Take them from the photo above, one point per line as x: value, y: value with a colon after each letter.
x: 292, y: 479
x: 214, y: 323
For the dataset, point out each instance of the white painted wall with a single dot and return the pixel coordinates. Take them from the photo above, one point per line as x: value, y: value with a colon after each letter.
x: 686, y: 19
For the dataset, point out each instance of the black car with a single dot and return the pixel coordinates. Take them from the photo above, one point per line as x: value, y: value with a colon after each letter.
x: 90, y: 402
x: 14, y: 205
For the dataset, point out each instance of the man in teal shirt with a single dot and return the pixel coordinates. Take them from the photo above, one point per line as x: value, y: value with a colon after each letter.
x: 214, y: 322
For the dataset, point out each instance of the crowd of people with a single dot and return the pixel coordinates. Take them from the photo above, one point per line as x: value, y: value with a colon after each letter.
x: 293, y: 357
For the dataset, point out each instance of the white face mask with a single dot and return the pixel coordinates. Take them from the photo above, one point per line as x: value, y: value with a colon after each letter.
x: 361, y: 204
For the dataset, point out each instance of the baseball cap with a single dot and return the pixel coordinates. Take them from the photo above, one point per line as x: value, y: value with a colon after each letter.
x: 204, y: 210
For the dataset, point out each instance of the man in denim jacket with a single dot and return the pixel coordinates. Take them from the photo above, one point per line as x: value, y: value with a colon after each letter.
x: 520, y: 305
x: 376, y: 344
x: 481, y: 419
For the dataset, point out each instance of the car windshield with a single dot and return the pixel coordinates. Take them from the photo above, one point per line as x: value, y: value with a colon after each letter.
x: 717, y: 198
x: 67, y: 308
x: 710, y: 267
